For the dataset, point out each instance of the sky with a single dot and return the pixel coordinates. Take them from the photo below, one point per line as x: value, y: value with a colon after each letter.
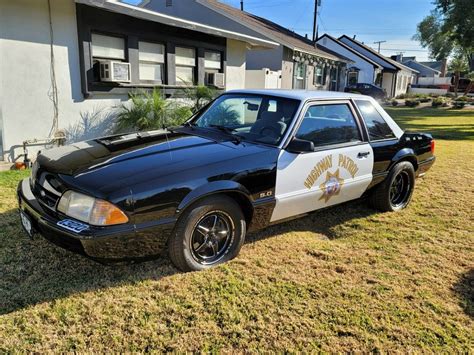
x: 393, y: 21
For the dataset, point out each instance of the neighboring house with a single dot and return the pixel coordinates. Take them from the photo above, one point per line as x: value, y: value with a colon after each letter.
x: 394, y: 77
x: 423, y: 70
x: 67, y: 68
x: 302, y: 63
x: 362, y: 70
x: 439, y: 65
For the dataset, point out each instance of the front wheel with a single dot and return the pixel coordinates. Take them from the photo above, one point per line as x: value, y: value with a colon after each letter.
x: 395, y: 193
x: 208, y: 233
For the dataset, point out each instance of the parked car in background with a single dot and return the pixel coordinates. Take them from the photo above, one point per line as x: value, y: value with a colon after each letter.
x: 248, y: 160
x: 367, y: 89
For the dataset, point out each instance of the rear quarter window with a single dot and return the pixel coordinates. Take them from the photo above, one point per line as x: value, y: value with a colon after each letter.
x: 376, y: 126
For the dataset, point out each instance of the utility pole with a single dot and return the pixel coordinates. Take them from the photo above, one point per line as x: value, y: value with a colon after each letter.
x: 379, y: 43
x: 317, y: 3
x: 241, y: 5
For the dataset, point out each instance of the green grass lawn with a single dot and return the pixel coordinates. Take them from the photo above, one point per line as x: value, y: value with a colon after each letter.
x: 345, y: 279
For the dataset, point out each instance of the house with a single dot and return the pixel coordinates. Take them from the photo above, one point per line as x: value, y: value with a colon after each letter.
x: 424, y: 71
x: 361, y: 70
x: 301, y: 63
x: 65, y: 61
x: 394, y: 77
x: 439, y: 65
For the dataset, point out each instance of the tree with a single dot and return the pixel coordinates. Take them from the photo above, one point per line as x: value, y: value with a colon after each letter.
x: 458, y: 65
x: 449, y: 28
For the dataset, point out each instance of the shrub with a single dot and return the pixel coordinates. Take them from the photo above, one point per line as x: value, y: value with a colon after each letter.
x: 425, y: 99
x: 150, y: 110
x: 437, y: 102
x: 412, y: 103
x: 394, y: 103
x: 459, y: 104
x: 462, y: 98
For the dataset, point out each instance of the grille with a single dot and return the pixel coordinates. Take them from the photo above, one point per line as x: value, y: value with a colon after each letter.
x: 44, y: 191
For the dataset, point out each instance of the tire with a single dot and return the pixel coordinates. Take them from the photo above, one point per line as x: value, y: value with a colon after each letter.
x: 385, y: 199
x: 198, y: 241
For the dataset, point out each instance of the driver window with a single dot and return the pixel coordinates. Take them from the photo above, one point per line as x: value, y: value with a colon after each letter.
x: 329, y: 124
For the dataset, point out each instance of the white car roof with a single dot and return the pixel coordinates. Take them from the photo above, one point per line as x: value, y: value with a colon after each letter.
x: 305, y: 95
x: 300, y: 94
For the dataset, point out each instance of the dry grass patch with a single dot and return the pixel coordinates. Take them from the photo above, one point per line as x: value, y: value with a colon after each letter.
x: 343, y: 279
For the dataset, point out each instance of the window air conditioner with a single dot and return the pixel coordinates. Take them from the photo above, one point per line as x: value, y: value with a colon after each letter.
x: 114, y: 71
x: 217, y: 79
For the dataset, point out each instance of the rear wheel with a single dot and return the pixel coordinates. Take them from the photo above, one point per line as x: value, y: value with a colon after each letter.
x: 395, y: 193
x: 208, y: 233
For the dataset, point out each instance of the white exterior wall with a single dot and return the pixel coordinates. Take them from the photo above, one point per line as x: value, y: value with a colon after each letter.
x: 236, y: 64
x: 26, y: 111
x: 404, y: 78
x: 367, y: 71
x: 262, y: 79
x: 25, y: 107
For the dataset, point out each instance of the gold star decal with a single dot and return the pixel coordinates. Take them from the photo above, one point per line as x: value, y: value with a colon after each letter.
x: 332, y: 186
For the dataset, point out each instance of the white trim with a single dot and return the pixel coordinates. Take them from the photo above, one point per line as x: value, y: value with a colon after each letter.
x: 145, y: 14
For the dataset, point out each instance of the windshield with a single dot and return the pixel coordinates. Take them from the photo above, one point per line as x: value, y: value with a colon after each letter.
x: 257, y: 118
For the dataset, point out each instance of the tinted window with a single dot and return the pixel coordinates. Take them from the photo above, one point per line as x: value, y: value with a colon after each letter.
x: 376, y: 125
x: 329, y: 124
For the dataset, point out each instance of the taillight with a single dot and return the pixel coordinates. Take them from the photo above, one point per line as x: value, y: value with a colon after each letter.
x: 432, y: 146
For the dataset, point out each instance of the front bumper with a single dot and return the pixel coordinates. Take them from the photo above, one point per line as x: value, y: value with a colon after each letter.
x: 114, y: 243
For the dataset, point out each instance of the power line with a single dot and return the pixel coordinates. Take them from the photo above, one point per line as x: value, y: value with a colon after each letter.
x: 379, y: 43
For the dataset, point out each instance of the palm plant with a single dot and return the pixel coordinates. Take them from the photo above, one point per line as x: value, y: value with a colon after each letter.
x: 458, y: 65
x: 150, y: 110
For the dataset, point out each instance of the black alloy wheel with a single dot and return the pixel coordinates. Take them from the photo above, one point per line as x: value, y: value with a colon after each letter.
x: 211, y: 237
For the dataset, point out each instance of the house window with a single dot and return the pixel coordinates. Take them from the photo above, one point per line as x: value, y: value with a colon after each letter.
x: 352, y: 77
x: 151, y: 58
x: 334, y: 77
x: 108, y: 47
x: 320, y: 75
x: 185, y: 66
x: 212, y: 63
x: 300, y: 76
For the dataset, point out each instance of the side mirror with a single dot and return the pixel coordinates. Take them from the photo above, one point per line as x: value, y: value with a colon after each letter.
x: 299, y: 146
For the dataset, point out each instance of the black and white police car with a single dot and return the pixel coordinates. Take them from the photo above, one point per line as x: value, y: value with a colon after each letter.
x: 247, y: 160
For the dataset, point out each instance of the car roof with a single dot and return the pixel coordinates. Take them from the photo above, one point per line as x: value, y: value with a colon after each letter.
x: 302, y: 95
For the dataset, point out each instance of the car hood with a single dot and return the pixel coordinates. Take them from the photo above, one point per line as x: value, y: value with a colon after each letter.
x: 112, y: 162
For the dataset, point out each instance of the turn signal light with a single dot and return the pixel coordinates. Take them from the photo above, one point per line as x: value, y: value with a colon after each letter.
x: 106, y: 214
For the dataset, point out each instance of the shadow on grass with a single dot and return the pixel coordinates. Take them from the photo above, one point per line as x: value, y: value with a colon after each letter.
x: 35, y: 271
x: 465, y: 291
x: 456, y: 131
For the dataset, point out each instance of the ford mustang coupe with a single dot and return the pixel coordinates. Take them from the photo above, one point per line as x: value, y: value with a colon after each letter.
x: 247, y: 160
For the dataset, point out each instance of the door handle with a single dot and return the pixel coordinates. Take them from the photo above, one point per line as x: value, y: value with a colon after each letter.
x: 362, y: 155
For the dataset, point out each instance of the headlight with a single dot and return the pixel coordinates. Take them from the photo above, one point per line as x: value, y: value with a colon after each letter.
x: 90, y: 210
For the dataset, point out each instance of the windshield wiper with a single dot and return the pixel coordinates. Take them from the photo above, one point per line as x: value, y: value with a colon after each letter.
x: 189, y: 124
x: 227, y: 130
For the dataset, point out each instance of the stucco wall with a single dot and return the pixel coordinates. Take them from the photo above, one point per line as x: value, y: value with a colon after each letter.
x: 236, y: 64
x: 26, y: 108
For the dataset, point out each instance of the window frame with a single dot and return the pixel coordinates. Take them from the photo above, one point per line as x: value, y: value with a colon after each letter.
x: 348, y: 77
x: 366, y: 129
x: 164, y: 64
x: 299, y: 120
x: 208, y: 70
x: 195, y: 67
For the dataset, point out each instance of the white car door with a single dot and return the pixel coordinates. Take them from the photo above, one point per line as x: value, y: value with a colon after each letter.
x: 339, y: 169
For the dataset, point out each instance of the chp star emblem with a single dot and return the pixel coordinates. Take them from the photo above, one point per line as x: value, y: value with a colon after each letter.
x: 332, y: 186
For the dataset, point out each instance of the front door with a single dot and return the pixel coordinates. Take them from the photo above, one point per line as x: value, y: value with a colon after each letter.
x: 339, y: 169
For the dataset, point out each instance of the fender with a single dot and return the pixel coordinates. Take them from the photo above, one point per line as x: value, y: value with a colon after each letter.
x: 404, y: 154
x: 213, y: 188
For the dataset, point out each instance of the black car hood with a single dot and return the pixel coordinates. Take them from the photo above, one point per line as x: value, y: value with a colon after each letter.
x: 111, y: 162
x: 85, y: 156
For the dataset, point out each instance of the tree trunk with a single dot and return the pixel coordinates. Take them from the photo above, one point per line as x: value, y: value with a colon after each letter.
x: 456, y: 83
x: 471, y: 61
x: 469, y: 87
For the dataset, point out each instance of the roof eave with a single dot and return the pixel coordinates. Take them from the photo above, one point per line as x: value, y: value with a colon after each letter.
x: 145, y: 14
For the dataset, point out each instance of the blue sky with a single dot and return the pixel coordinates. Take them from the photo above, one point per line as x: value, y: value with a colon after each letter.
x: 393, y: 21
